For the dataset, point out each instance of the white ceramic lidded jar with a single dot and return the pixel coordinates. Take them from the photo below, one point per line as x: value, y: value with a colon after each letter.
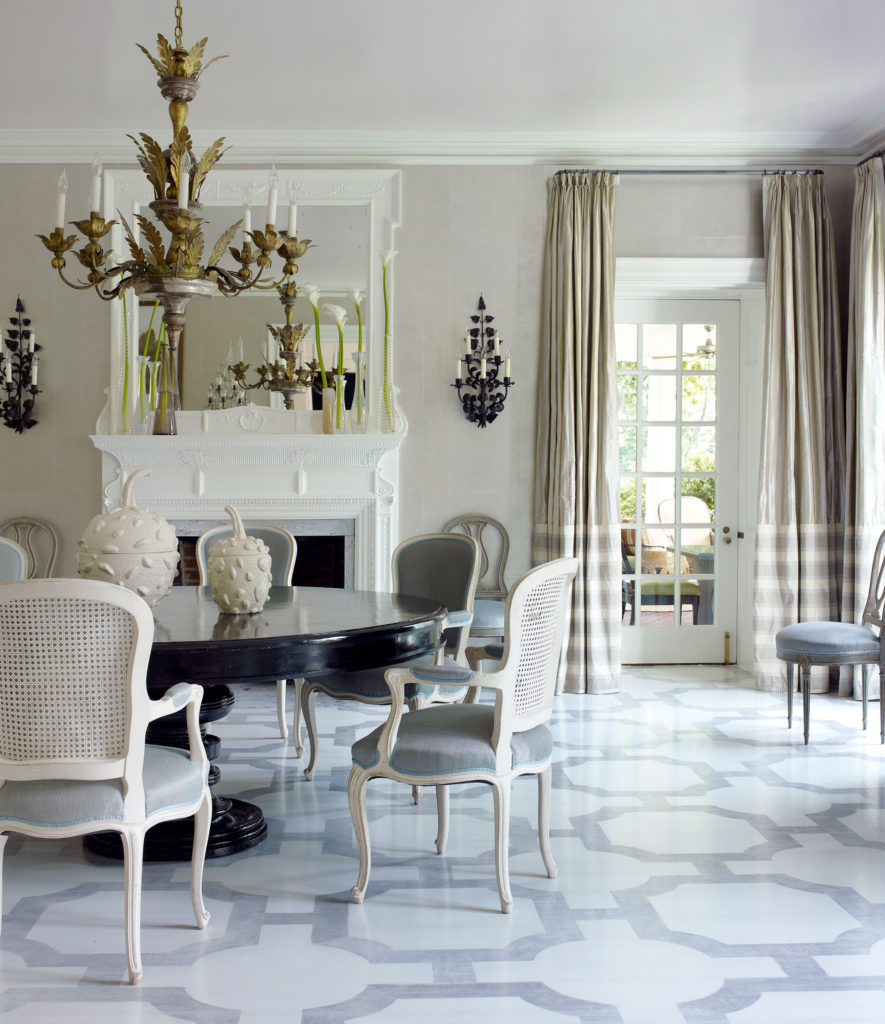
x: 131, y: 546
x: 239, y: 570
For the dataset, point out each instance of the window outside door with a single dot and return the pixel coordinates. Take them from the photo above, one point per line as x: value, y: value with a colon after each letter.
x: 678, y: 394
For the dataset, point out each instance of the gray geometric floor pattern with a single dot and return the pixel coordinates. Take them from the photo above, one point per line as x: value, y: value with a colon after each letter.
x: 712, y: 870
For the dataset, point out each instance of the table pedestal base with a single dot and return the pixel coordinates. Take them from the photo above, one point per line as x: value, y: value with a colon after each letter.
x: 236, y: 824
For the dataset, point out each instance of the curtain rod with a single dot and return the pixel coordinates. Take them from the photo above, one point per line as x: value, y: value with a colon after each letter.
x: 872, y: 156
x: 602, y: 170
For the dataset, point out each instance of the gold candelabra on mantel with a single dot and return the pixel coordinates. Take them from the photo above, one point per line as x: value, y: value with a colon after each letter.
x: 283, y: 370
x: 174, y: 274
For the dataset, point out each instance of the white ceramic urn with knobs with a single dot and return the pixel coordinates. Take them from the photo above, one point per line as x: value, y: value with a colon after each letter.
x: 239, y: 570
x: 131, y: 546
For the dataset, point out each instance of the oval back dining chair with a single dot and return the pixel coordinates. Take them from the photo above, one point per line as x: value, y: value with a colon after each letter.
x: 439, y: 566
x: 807, y: 644
x: 13, y: 561
x: 38, y: 539
x: 491, y: 588
x: 283, y: 549
x: 74, y: 709
x: 490, y: 743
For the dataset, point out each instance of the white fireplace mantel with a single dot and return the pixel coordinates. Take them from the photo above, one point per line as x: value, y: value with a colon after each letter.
x: 266, y: 464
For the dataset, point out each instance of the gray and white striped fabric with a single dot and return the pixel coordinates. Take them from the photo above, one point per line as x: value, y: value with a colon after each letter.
x: 800, y: 532
x: 864, y: 387
x: 576, y: 487
x: 797, y: 569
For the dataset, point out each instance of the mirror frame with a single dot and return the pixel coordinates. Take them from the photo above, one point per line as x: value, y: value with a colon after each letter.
x: 126, y: 190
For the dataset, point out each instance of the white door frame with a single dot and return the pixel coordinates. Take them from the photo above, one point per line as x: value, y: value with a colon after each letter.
x: 724, y: 278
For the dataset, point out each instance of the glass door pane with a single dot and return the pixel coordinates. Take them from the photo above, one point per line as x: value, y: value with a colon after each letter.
x: 677, y: 388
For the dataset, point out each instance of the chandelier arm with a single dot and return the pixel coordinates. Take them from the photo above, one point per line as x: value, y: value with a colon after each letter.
x: 79, y: 286
x: 229, y: 284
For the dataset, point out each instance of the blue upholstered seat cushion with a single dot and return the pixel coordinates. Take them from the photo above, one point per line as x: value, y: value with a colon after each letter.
x: 171, y: 780
x: 488, y: 617
x: 369, y: 684
x: 451, y: 738
x: 828, y: 639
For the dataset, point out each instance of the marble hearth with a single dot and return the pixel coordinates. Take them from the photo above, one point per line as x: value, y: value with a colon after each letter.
x: 273, y: 469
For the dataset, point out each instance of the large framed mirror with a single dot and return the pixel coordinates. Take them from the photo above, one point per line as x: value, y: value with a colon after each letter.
x: 351, y: 217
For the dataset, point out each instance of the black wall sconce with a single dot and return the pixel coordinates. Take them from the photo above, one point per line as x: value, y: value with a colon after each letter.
x: 18, y: 371
x: 483, y: 374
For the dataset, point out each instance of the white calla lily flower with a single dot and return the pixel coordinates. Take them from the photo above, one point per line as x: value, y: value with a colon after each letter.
x: 338, y: 313
x: 387, y: 256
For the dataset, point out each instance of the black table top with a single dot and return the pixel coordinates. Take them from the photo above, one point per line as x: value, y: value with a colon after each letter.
x: 301, y: 631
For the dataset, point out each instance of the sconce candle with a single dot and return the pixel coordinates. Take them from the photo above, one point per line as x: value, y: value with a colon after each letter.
x: 482, y: 390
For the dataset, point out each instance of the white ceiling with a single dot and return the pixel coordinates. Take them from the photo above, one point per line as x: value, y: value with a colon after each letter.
x: 646, y: 81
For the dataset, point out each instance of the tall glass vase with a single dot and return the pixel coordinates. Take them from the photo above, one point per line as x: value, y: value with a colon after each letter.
x: 339, y: 420
x: 328, y: 410
x: 143, y: 413
x: 168, y: 399
x: 387, y: 406
x: 358, y: 410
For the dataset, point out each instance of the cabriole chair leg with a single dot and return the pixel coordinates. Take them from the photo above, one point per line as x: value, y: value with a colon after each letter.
x: 356, y: 795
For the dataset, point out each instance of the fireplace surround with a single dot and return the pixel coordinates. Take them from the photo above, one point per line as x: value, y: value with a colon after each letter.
x: 275, y: 467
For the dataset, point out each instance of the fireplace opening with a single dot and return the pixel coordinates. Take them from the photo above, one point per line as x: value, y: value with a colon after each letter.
x: 320, y: 562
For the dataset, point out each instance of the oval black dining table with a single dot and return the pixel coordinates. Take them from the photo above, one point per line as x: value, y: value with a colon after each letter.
x: 300, y: 632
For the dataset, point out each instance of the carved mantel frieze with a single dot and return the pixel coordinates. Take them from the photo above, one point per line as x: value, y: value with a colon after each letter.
x: 278, y: 476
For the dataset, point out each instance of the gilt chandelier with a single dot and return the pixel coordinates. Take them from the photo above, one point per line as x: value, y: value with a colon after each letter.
x: 172, y: 271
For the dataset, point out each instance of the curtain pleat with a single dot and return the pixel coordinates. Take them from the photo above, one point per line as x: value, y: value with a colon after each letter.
x: 800, y: 531
x: 576, y: 493
x: 864, y: 387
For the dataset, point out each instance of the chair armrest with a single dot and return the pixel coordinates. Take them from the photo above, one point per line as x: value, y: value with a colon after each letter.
x: 442, y: 675
x: 477, y: 655
x: 176, y: 698
x: 456, y: 619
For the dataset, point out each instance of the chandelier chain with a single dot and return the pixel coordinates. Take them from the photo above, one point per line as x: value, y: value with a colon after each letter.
x: 178, y: 24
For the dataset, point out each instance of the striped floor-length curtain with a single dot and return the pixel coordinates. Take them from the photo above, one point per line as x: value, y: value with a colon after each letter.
x: 799, y: 537
x: 864, y: 388
x: 576, y: 489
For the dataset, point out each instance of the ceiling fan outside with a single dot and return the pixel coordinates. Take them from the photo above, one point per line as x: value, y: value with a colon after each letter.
x: 705, y: 351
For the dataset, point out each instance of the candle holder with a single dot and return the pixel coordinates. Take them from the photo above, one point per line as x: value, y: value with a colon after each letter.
x: 485, y: 380
x: 283, y: 370
x: 18, y: 367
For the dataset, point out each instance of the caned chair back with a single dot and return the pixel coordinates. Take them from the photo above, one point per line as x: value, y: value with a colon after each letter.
x: 13, y: 561
x: 442, y: 567
x: 280, y: 543
x: 39, y: 541
x: 537, y: 613
x: 73, y: 665
x: 494, y: 549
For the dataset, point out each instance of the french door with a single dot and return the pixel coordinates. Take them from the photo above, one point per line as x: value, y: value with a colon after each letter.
x: 678, y: 367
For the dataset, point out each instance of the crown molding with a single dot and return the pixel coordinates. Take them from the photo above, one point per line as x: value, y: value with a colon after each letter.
x: 613, y: 151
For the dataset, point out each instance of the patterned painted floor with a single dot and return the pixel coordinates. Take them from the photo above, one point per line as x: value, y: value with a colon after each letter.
x: 712, y: 870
